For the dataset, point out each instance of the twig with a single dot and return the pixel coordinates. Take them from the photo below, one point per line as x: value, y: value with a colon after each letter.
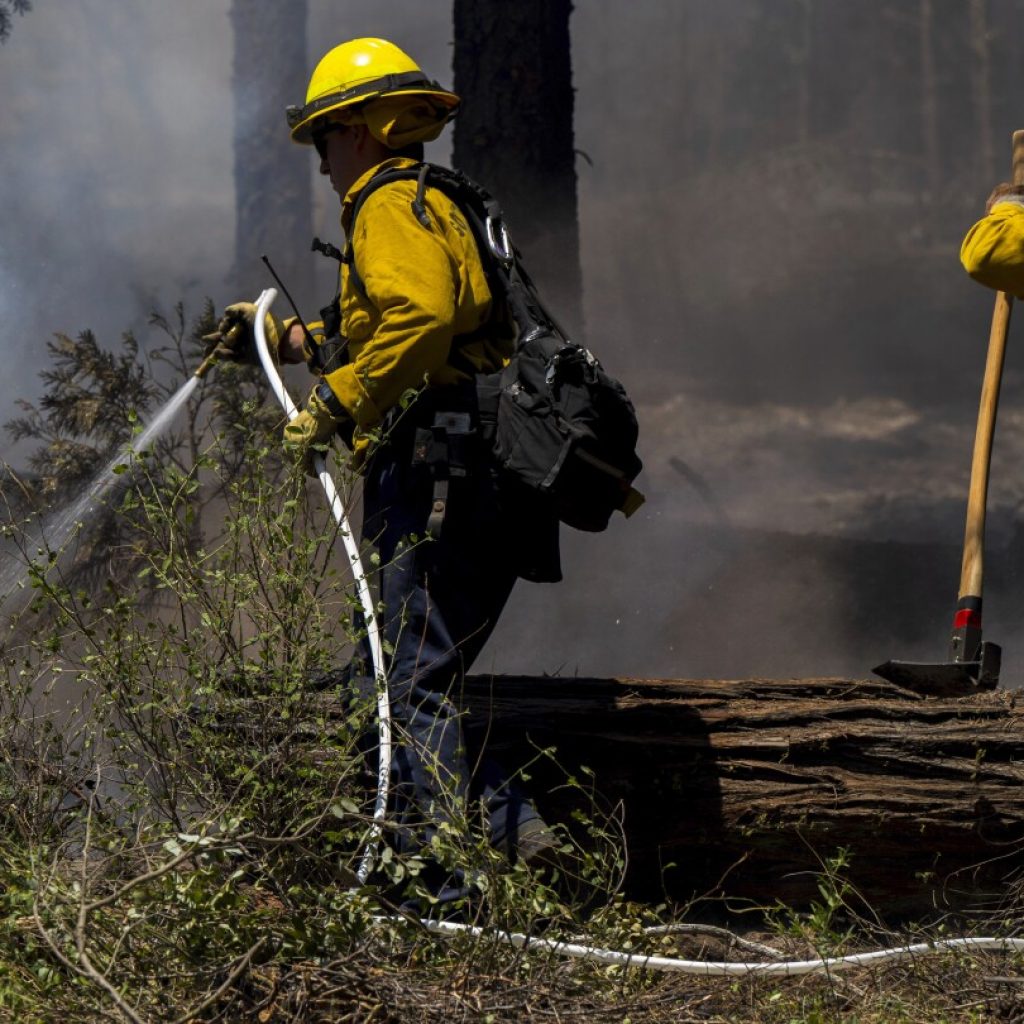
x: 86, y: 965
x: 242, y: 964
x: 148, y: 876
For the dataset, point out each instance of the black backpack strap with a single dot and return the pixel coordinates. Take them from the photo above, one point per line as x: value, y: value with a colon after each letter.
x: 512, y: 290
x: 495, y: 249
x: 379, y: 180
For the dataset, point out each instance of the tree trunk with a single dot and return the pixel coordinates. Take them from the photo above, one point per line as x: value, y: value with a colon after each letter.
x: 746, y: 787
x: 981, y: 79
x: 514, y: 132
x: 929, y: 101
x: 801, y: 57
x: 272, y: 175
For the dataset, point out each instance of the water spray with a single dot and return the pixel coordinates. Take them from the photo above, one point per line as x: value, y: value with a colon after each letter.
x: 56, y: 530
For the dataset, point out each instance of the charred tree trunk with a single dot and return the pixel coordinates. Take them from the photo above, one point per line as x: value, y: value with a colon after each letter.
x: 272, y: 176
x: 746, y: 787
x: 514, y: 132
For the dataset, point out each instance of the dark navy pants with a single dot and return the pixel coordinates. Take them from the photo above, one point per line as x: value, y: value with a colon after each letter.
x: 441, y: 598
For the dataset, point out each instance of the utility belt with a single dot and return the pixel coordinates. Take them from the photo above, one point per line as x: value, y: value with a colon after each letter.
x: 442, y: 427
x: 437, y: 433
x: 447, y: 449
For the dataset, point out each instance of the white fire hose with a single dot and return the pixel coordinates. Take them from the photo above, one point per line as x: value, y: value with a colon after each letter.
x: 730, y: 968
x: 788, y: 968
x: 263, y: 304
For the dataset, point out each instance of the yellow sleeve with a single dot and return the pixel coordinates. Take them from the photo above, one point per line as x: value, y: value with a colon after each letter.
x: 410, y: 276
x: 993, y: 251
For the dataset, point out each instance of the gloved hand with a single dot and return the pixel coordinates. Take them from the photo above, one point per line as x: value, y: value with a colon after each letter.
x: 235, y: 339
x: 314, y: 428
x: 1003, y: 192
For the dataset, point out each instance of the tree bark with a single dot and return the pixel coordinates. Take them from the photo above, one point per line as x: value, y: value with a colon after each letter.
x: 747, y: 787
x: 272, y: 175
x: 514, y: 132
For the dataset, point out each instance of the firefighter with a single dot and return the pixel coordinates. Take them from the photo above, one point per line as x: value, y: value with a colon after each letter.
x: 395, y: 354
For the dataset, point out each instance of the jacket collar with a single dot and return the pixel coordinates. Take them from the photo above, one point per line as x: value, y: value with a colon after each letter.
x: 353, y: 193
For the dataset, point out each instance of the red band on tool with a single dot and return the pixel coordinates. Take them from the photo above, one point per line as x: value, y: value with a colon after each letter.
x: 967, y: 617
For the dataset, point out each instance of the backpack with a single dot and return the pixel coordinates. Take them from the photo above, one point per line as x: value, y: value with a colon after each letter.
x: 555, y: 422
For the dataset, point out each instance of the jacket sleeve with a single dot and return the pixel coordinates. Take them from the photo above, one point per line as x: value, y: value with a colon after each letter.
x: 410, y: 276
x: 993, y: 251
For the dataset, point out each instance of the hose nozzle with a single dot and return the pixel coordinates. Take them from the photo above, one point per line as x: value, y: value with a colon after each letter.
x: 206, y: 366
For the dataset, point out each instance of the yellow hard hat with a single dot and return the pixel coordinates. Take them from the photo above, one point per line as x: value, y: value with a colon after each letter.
x: 362, y: 70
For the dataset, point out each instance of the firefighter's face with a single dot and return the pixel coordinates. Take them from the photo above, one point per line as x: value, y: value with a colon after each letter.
x: 335, y: 145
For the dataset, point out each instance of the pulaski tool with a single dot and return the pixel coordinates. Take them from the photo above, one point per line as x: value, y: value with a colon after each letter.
x: 973, y: 663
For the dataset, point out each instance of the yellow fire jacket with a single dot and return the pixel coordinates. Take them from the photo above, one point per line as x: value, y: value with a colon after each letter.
x: 993, y: 251
x: 423, y: 287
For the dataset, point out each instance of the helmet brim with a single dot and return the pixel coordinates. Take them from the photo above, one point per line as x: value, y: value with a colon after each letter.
x: 303, y: 120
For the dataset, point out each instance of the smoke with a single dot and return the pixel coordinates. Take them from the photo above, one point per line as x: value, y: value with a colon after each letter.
x: 116, y: 165
x: 770, y: 265
x: 113, y: 174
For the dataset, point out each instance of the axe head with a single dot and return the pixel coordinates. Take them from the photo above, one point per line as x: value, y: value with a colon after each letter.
x: 946, y: 678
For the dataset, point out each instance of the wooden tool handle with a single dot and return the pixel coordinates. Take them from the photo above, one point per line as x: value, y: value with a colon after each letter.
x: 971, y: 572
x: 1018, y: 157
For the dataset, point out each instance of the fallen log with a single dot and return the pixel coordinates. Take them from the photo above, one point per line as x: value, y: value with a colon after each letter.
x: 745, y: 788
